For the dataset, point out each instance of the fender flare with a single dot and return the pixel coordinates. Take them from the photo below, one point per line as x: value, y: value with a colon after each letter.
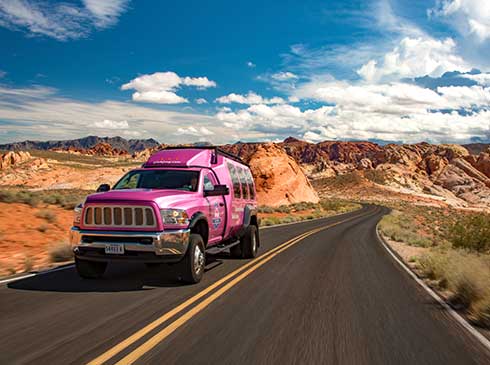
x: 196, y: 217
x: 248, y: 213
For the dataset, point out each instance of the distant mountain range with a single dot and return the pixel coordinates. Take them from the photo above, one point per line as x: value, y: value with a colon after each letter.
x: 137, y: 145
x: 131, y: 145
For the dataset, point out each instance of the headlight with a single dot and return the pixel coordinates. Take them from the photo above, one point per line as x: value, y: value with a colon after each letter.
x: 78, y: 214
x: 174, y: 216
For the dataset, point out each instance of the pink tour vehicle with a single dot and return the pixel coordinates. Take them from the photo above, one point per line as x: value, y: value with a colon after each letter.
x: 182, y: 203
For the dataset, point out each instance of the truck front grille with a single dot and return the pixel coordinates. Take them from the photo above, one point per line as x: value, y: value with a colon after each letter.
x: 119, y: 216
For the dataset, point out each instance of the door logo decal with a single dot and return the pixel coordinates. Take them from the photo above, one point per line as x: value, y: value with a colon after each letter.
x: 217, y: 217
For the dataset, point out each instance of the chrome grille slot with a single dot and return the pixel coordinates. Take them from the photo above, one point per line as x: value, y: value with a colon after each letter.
x: 120, y: 216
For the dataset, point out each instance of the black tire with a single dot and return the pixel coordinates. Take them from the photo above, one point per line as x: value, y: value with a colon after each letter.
x: 249, y: 243
x: 192, y: 265
x: 236, y: 251
x: 90, y: 269
x: 152, y: 265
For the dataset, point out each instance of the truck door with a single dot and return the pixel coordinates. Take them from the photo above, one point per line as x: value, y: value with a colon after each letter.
x: 216, y: 204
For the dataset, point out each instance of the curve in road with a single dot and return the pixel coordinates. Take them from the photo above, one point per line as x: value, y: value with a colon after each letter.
x: 323, y: 291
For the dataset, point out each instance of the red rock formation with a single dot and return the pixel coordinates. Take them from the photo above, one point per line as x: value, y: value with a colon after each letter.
x: 278, y: 178
x: 12, y: 158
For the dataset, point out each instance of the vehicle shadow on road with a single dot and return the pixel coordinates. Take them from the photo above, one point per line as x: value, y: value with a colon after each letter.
x: 118, y: 277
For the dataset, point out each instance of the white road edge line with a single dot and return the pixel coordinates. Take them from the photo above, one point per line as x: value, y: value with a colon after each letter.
x: 463, y: 322
x: 36, y: 274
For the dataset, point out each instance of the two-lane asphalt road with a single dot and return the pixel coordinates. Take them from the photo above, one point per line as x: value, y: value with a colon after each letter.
x: 322, y: 292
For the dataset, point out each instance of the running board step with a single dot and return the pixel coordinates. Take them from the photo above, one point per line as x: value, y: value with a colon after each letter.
x: 218, y: 249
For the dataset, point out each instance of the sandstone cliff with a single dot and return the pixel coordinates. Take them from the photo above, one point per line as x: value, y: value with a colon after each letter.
x: 278, y: 177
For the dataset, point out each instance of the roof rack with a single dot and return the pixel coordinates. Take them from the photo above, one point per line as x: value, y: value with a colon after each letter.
x: 217, y: 151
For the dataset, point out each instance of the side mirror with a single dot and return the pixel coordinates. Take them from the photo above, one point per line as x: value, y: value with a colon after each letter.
x: 217, y: 191
x: 103, y: 187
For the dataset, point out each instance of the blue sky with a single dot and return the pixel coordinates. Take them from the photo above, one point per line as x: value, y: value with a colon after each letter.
x: 385, y: 70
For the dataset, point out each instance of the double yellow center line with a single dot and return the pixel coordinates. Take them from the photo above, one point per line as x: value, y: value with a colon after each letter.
x: 239, y: 274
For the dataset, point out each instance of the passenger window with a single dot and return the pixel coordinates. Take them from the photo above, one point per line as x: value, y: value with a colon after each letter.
x: 243, y: 180
x: 235, y: 180
x: 250, y: 183
x: 208, y: 182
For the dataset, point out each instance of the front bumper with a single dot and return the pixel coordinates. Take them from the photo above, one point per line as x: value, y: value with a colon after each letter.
x: 166, y: 246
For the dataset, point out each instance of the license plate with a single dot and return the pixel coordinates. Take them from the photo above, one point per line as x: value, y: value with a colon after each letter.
x: 114, y: 249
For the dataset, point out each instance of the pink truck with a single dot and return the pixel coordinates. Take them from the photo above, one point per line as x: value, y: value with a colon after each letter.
x: 181, y: 204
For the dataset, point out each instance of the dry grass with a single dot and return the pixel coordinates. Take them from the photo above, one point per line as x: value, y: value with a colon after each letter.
x: 457, y: 260
x: 402, y: 228
x: 60, y: 252
x: 466, y: 276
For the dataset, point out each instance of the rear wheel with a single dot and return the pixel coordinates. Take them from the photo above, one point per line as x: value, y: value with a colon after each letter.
x: 249, y: 243
x: 236, y: 251
x: 192, y: 265
x: 90, y: 269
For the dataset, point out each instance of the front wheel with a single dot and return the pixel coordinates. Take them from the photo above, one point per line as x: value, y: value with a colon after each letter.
x: 192, y: 265
x: 90, y: 269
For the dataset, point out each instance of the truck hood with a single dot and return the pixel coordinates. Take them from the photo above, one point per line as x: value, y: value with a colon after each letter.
x: 163, y: 198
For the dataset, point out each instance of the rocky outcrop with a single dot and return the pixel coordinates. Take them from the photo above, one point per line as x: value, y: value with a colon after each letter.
x: 482, y: 162
x: 278, y: 177
x: 102, y: 149
x: 12, y: 158
x: 447, y: 171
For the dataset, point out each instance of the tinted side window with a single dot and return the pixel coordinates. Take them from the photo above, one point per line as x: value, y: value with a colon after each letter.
x: 235, y: 180
x: 208, y: 182
x: 250, y: 183
x: 243, y: 180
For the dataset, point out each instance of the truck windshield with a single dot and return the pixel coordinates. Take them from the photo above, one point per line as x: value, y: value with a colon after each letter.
x: 160, y: 179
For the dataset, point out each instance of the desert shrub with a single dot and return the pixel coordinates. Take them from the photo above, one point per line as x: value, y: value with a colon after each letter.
x: 43, y: 228
x: 266, y: 209
x: 47, y: 214
x: 26, y: 197
x: 288, y: 219
x: 334, y: 205
x: 61, y: 251
x: 304, y: 206
x: 472, y: 233
x: 67, y: 199
x: 283, y: 209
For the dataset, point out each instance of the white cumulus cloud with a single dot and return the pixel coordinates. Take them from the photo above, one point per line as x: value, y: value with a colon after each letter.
x: 161, y: 87
x: 250, y: 98
x: 469, y: 17
x: 415, y: 57
x: 112, y: 124
x: 192, y: 131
